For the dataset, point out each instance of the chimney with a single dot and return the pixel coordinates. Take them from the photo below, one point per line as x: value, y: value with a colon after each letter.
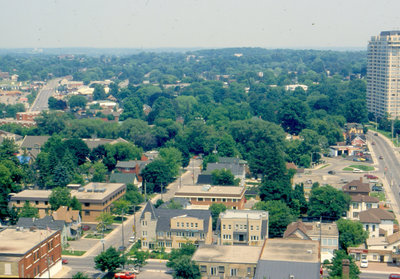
x: 361, y: 179
x: 345, y: 269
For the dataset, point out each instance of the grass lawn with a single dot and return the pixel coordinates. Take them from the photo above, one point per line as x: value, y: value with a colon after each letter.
x: 118, y: 219
x: 379, y: 195
x: 362, y: 167
x: 324, y: 166
x: 72, y: 253
x: 348, y: 169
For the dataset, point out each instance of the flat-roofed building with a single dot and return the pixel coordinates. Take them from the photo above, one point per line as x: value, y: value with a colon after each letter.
x: 97, y: 198
x: 94, y: 197
x: 204, y: 196
x: 249, y: 227
x: 170, y: 228
x: 36, y: 198
x: 227, y: 261
x: 30, y: 253
x: 289, y: 258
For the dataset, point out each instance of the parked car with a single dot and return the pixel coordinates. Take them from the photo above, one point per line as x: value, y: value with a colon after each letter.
x: 332, y: 172
x: 373, y: 143
x: 370, y: 176
x: 64, y: 261
x: 125, y: 275
x: 344, y: 180
x: 377, y: 188
x: 394, y: 276
x: 85, y: 228
x: 121, y: 248
x: 364, y: 263
x: 132, y: 239
x: 376, y: 134
x: 309, y: 181
x: 381, y: 157
x: 374, y: 181
x: 357, y: 170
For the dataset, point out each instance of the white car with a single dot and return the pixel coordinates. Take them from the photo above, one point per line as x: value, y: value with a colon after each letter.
x: 357, y: 170
x: 364, y: 263
x: 132, y: 239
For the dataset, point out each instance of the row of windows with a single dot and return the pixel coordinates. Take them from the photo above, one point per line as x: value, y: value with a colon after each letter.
x: 241, y: 227
x: 218, y: 199
x: 214, y: 270
x: 36, y: 202
x: 168, y: 234
x: 182, y: 224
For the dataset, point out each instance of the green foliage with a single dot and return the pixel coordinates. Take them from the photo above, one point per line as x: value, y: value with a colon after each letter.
x: 280, y: 216
x: 158, y: 203
x: 216, y: 209
x: 60, y: 196
x: 120, y: 206
x: 223, y: 177
x: 351, y: 233
x: 157, y: 175
x: 328, y: 202
x: 77, y: 101
x: 139, y: 258
x: 187, y: 249
x: 80, y: 275
x: 99, y: 172
x: 104, y: 220
x: 29, y: 211
x: 185, y: 268
x: 99, y: 93
x: 174, y: 205
x: 335, y: 270
x: 109, y: 260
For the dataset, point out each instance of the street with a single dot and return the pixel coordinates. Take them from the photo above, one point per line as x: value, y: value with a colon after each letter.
x: 41, y: 101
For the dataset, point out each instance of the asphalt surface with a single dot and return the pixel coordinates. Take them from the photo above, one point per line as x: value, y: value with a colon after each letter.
x: 373, y: 276
x: 42, y: 98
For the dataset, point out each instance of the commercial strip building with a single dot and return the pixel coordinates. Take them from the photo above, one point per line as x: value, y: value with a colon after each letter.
x: 249, y: 227
x: 204, y: 196
x: 276, y: 259
x: 383, y: 74
x: 95, y: 198
x: 170, y: 228
x: 29, y: 253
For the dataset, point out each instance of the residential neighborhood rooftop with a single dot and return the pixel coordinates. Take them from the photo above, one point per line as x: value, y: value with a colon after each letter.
x: 364, y: 198
x: 227, y: 254
x: 32, y: 194
x: 375, y: 215
x: 208, y: 190
x: 292, y: 250
x: 97, y: 191
x: 249, y: 214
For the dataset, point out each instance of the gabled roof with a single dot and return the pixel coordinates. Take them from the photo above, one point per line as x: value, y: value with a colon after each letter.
x: 364, y: 198
x: 66, y: 214
x: 375, y: 215
x: 231, y: 160
x: 34, y: 141
x: 204, y: 179
x: 236, y: 169
x: 127, y: 178
x: 164, y: 217
x: 393, y: 238
x: 360, y: 187
x: 293, y: 227
x: 44, y: 223
x: 131, y: 164
x: 149, y: 208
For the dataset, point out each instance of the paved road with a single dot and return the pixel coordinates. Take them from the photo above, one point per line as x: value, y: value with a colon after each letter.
x: 41, y: 101
x: 154, y: 269
x: 373, y: 276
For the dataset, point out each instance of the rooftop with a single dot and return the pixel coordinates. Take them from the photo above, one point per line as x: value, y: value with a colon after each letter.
x: 245, y: 214
x: 32, y: 194
x: 375, y: 215
x: 227, y: 254
x: 208, y: 190
x: 14, y: 242
x: 356, y: 186
x: 312, y: 229
x: 97, y: 191
x: 364, y: 198
x: 34, y: 141
x: 292, y: 250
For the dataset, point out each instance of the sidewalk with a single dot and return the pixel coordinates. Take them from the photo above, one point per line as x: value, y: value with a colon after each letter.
x: 381, y: 268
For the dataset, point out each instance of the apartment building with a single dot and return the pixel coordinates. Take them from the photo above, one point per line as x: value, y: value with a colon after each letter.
x: 30, y: 253
x: 170, y: 228
x: 326, y: 233
x: 361, y: 203
x: 205, y: 195
x: 94, y: 197
x: 248, y: 227
x: 377, y: 222
x: 227, y: 261
x: 383, y: 74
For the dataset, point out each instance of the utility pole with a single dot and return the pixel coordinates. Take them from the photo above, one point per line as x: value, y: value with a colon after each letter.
x: 193, y: 170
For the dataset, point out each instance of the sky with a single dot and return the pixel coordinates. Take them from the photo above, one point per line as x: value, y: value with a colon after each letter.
x: 195, y: 23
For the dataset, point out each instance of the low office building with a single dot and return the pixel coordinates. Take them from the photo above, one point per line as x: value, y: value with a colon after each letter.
x: 327, y: 233
x: 361, y: 203
x: 204, y: 196
x: 36, y: 198
x: 170, y: 228
x: 227, y: 261
x: 289, y: 258
x: 30, y: 253
x: 94, y: 197
x: 248, y: 227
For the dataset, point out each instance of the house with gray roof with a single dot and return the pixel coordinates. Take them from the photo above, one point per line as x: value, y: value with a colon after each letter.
x: 238, y: 170
x: 132, y: 166
x: 126, y: 178
x: 32, y: 145
x: 170, y: 228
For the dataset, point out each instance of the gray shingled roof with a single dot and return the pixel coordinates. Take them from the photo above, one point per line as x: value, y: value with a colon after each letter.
x: 44, y: 223
x: 34, y: 141
x: 127, y: 178
x: 164, y: 216
x: 236, y: 169
x: 148, y: 208
x: 204, y: 179
x: 131, y: 164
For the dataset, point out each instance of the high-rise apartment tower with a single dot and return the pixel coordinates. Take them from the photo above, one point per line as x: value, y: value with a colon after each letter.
x: 383, y: 74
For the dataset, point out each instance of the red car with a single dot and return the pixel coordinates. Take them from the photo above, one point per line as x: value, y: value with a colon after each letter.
x: 370, y: 176
x: 64, y: 261
x: 394, y: 276
x: 125, y: 275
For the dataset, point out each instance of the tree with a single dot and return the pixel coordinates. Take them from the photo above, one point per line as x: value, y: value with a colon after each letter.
x: 216, y: 209
x: 99, y: 93
x: 105, y: 220
x: 158, y: 203
x: 327, y: 202
x: 120, y: 207
x: 77, y: 101
x: 80, y: 275
x: 109, y: 260
x: 75, y: 204
x: 29, y: 211
x: 78, y: 148
x: 99, y: 173
x: 280, y: 216
x: 59, y: 196
x: 223, y: 177
x: 158, y: 174
x: 185, y: 268
x: 187, y: 249
x: 173, y: 157
x: 335, y: 270
x: 351, y: 233
x: 140, y: 258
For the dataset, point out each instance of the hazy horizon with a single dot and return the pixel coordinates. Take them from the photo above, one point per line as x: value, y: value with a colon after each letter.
x: 195, y: 24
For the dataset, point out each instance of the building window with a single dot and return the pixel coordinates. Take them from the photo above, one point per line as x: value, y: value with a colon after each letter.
x: 196, y: 225
x: 355, y: 214
x: 191, y: 225
x: 36, y: 202
x: 229, y: 227
x: 258, y: 228
x: 199, y: 199
x: 251, y: 227
x: 213, y: 199
x: 161, y: 244
x: 373, y: 228
x: 221, y: 269
x: 187, y: 225
x: 248, y: 270
x: 46, y: 202
x: 18, y: 202
x: 144, y: 243
x: 213, y: 270
x: 87, y: 213
x: 144, y: 223
x: 7, y: 269
x: 168, y: 244
x: 223, y: 200
x: 177, y: 224
x: 160, y: 234
x: 234, y: 272
x: 87, y: 204
x: 183, y: 224
x: 223, y: 227
x: 203, y: 268
x: 355, y: 205
x: 144, y: 233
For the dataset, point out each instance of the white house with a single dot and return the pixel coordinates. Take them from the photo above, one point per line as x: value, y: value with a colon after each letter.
x: 377, y: 222
x: 361, y: 203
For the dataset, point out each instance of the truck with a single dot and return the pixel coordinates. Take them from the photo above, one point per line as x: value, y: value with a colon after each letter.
x: 125, y: 275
